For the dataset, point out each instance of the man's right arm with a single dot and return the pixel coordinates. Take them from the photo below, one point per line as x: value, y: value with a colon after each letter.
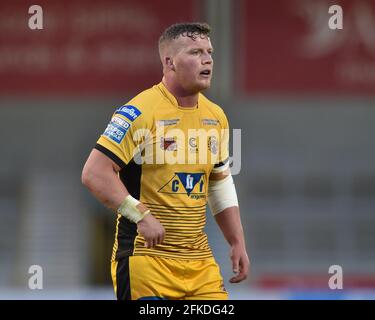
x: 100, y: 176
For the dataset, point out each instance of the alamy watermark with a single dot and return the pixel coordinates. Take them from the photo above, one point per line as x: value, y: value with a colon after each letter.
x: 36, y: 280
x: 36, y: 20
x: 336, y: 21
x: 175, y: 146
x: 336, y: 281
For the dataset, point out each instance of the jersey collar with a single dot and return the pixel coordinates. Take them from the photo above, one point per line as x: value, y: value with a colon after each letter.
x: 173, y: 99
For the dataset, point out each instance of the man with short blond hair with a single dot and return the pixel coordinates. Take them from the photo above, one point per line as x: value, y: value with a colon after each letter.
x: 161, y: 250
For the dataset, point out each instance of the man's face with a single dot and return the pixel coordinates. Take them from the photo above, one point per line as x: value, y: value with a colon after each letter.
x: 193, y: 63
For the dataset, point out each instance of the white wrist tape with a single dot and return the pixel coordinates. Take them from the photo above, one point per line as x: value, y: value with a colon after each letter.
x: 222, y: 194
x: 133, y: 209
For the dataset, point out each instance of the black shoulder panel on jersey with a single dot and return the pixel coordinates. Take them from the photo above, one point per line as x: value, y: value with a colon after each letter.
x: 110, y: 155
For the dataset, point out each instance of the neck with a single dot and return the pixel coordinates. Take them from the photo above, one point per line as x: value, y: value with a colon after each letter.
x: 184, y: 99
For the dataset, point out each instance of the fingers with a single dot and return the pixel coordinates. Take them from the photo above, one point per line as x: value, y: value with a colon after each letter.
x: 238, y: 278
x: 242, y: 267
x: 235, y: 268
x: 158, y: 238
x: 235, y: 264
x: 149, y: 243
x: 152, y: 242
x: 242, y: 275
x: 152, y: 231
x: 245, y: 265
x: 161, y: 238
x: 161, y: 235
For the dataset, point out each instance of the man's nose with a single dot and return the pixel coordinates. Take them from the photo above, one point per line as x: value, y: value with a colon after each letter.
x: 207, y: 59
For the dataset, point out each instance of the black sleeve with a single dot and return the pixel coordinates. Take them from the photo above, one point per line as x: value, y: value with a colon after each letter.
x: 110, y: 155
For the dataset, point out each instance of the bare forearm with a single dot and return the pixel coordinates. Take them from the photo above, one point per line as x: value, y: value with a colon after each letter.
x: 229, y: 222
x: 108, y: 189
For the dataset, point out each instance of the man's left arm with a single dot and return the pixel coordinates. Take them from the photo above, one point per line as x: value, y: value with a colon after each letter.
x: 222, y: 199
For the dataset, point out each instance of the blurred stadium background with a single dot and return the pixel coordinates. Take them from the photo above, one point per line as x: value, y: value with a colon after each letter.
x: 303, y: 95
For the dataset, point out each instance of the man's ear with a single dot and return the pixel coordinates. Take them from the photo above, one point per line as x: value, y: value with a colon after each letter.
x: 169, y: 63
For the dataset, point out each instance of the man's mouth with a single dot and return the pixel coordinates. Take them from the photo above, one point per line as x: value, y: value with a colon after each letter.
x: 206, y: 72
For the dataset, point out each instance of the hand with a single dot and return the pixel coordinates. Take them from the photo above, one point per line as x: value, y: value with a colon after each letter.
x: 240, y: 263
x: 152, y: 230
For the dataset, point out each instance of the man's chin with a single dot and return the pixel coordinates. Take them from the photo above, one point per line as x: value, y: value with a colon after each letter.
x: 199, y: 86
x: 204, y: 85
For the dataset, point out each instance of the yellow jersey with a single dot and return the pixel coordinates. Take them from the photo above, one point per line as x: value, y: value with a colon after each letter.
x: 166, y: 154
